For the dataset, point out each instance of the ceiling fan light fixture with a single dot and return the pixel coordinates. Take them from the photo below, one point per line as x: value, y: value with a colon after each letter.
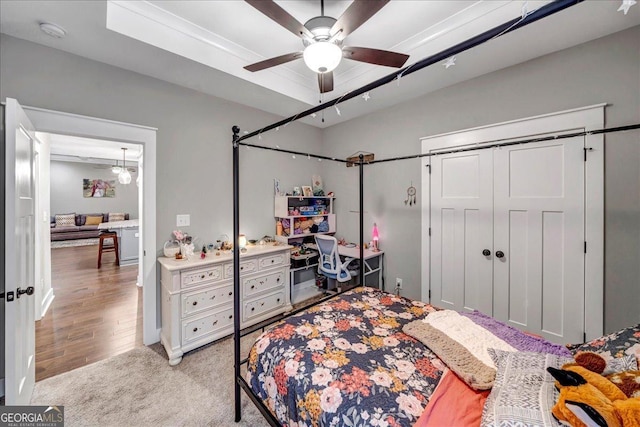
x: 322, y: 56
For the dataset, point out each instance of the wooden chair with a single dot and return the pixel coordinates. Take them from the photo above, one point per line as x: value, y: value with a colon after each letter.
x: 108, y: 248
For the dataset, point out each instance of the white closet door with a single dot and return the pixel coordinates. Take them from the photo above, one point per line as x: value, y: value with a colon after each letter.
x: 539, y: 226
x: 461, y: 228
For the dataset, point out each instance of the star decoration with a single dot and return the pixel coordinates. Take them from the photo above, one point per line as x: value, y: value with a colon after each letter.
x: 338, y: 110
x: 366, y: 96
x: 277, y: 128
x: 314, y: 115
x: 525, y: 9
x: 626, y: 5
x: 450, y: 62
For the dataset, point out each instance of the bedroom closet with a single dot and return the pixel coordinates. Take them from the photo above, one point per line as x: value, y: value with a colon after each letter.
x: 507, y: 233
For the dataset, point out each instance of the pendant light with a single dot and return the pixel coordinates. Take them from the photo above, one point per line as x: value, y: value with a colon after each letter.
x: 124, y: 177
x: 116, y: 168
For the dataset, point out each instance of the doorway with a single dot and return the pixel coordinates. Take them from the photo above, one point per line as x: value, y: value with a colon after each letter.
x: 19, y: 367
x: 86, y: 310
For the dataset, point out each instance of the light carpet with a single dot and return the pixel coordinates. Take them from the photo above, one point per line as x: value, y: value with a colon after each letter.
x: 139, y: 388
x: 72, y: 243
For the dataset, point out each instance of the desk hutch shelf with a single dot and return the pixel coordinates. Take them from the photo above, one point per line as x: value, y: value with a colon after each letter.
x: 295, y: 213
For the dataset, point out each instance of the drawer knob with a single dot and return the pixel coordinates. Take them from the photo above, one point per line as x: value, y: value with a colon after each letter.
x: 230, y: 316
x: 278, y: 279
x: 213, y: 297
x: 195, y: 329
x: 253, y: 308
x: 272, y: 261
x: 241, y: 268
x: 214, y: 323
x: 253, y: 286
x: 278, y: 300
x: 195, y: 303
x: 261, y: 304
x: 230, y: 293
x: 202, y: 277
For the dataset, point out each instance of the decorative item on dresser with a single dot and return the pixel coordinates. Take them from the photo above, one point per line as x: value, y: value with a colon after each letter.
x: 197, y: 295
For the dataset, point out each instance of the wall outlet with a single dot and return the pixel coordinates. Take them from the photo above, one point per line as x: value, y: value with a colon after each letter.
x: 183, y: 220
x: 398, y: 283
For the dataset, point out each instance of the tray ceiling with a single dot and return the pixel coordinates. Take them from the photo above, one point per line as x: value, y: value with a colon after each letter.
x: 204, y: 45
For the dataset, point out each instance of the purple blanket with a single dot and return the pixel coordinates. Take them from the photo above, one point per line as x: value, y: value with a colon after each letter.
x: 516, y: 338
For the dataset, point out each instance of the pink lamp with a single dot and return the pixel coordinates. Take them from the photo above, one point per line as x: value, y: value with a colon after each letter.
x: 375, y: 236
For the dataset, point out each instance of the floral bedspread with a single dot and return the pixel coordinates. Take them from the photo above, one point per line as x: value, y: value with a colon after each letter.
x: 346, y: 362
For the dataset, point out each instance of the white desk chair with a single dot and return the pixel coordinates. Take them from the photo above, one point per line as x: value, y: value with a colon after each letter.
x: 329, y: 263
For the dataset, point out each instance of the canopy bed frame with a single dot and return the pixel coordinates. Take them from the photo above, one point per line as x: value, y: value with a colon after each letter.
x: 238, y: 141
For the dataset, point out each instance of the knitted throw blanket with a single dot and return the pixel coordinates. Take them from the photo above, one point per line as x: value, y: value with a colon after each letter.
x: 462, y: 341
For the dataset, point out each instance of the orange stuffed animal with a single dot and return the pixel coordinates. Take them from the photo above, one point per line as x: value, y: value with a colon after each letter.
x: 589, y: 399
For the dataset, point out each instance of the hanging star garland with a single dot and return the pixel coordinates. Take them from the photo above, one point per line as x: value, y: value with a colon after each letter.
x: 450, y: 62
x: 626, y: 5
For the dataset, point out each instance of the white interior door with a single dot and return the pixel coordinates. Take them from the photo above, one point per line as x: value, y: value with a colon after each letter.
x: 19, y: 256
x: 461, y: 229
x: 539, y: 227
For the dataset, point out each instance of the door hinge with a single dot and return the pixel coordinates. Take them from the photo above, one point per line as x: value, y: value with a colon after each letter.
x: 9, y: 296
x: 429, y: 295
x: 144, y: 253
x: 585, y: 152
x: 585, y: 247
x: 428, y: 167
x: 584, y: 337
x: 429, y: 231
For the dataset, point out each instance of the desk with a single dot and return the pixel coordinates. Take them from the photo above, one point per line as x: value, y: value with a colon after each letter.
x: 302, y: 279
x: 372, y: 264
x: 128, y: 239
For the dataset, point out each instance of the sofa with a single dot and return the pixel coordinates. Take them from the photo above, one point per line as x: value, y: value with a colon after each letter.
x: 80, y: 229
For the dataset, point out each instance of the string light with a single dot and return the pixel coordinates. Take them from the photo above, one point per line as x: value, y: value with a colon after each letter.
x: 308, y: 156
x: 314, y: 115
x: 277, y: 128
x: 293, y: 156
x: 366, y: 96
x: 337, y: 110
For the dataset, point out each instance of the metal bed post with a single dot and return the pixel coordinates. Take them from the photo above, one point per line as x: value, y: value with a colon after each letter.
x: 361, y: 167
x: 236, y: 271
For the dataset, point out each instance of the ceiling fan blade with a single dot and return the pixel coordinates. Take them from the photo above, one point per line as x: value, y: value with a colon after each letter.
x: 356, y: 14
x: 272, y: 62
x: 280, y: 16
x: 325, y: 82
x: 375, y: 56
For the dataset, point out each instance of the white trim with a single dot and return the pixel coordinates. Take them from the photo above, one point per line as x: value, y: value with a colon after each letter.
x: 73, y: 124
x: 46, y: 302
x: 583, y: 118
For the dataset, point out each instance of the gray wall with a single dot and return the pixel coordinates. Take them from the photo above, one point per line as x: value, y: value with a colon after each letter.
x: 604, y: 70
x: 66, y: 190
x: 193, y: 141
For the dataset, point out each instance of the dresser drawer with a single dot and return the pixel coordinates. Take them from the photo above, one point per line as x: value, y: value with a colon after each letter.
x: 195, y: 277
x: 194, y: 329
x: 262, y: 305
x: 273, y: 261
x: 248, y: 266
x: 195, y: 302
x: 254, y: 285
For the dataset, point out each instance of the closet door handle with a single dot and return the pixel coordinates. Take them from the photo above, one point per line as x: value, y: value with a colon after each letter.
x: 500, y: 254
x: 486, y: 252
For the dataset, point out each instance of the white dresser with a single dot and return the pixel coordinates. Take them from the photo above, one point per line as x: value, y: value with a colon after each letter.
x: 197, y: 295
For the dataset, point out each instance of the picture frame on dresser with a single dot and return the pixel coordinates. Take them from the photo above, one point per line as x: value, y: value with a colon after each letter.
x: 307, y: 191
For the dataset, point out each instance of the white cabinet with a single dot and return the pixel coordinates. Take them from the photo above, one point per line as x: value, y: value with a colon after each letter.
x: 301, y: 217
x: 197, y: 295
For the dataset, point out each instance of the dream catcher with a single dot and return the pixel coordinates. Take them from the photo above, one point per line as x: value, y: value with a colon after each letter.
x: 411, y: 195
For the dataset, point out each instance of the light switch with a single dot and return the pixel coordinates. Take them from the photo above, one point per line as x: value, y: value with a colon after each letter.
x: 183, y: 220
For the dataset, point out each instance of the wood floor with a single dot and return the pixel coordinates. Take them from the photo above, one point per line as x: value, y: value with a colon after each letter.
x: 96, y: 314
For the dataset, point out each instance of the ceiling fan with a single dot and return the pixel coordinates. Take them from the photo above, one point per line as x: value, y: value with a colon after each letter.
x: 322, y: 37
